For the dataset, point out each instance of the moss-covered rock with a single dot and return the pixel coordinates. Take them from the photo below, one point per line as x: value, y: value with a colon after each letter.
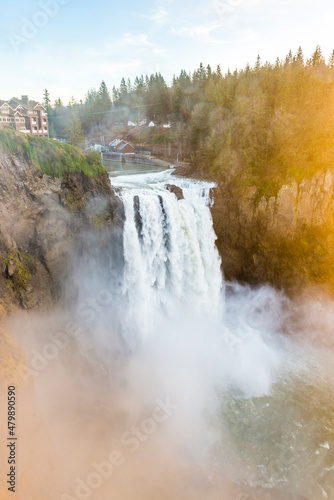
x: 17, y: 273
x: 53, y: 158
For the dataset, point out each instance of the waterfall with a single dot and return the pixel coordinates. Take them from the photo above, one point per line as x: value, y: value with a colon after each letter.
x: 172, y: 281
x: 248, y: 397
x: 171, y: 261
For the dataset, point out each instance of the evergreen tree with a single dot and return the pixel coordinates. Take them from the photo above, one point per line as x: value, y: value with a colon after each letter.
x: 300, y: 57
x: 123, y: 91
x: 200, y: 75
x: 257, y: 64
x: 59, y: 120
x: 86, y: 112
x: 90, y: 97
x: 331, y: 60
x: 202, y: 72
x: 102, y: 105
x: 72, y: 102
x: 75, y: 131
x: 317, y: 58
x: 103, y: 96
x: 289, y: 58
x: 46, y: 100
x: 115, y: 94
x: 136, y: 82
x: 157, y: 99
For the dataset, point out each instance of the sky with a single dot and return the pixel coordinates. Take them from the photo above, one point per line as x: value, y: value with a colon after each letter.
x: 70, y: 46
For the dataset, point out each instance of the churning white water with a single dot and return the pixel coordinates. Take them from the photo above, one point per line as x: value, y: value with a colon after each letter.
x: 171, y: 262
x: 172, y: 281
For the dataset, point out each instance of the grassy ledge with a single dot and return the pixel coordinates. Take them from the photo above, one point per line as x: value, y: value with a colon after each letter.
x: 51, y: 157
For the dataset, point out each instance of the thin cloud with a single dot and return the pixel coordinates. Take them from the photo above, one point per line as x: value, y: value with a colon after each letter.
x: 157, y: 16
x: 140, y: 40
x: 196, y: 30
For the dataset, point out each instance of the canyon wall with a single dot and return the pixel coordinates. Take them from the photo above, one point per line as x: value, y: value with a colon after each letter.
x: 286, y: 240
x: 42, y: 220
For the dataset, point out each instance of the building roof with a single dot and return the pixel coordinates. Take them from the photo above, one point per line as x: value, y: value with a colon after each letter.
x: 115, y: 143
x: 31, y: 104
x: 17, y: 105
x: 122, y: 146
x: 6, y: 103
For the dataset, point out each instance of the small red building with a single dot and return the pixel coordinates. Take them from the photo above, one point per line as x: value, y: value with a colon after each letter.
x: 126, y: 149
x: 122, y: 147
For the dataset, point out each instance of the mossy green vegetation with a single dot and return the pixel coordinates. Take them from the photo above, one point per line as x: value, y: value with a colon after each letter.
x: 19, y: 267
x: 51, y: 157
x: 101, y: 219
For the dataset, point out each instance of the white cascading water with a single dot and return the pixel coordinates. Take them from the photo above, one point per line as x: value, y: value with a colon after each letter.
x: 171, y: 261
x: 172, y: 277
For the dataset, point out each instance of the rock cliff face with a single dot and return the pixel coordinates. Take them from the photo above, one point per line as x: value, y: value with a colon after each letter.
x: 287, y: 240
x: 41, y: 220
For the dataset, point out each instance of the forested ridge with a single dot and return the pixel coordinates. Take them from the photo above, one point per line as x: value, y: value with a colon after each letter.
x: 263, y: 125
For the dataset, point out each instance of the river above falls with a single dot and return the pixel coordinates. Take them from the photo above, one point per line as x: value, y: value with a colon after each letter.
x: 116, y: 168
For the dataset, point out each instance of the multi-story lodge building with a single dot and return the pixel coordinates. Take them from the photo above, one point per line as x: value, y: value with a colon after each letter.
x: 29, y: 117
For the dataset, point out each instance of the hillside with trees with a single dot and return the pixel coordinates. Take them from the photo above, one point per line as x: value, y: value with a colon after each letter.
x: 265, y: 123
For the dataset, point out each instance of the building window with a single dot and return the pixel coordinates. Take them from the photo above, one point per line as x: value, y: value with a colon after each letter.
x: 8, y: 119
x: 5, y: 110
x: 22, y: 120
